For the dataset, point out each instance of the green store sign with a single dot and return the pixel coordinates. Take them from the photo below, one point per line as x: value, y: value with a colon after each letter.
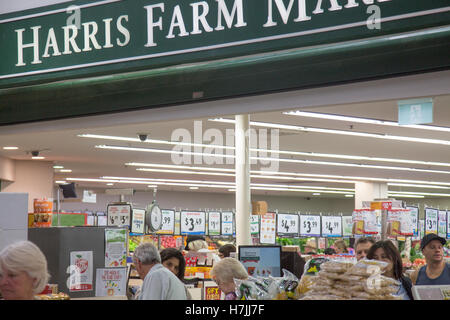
x: 103, y: 37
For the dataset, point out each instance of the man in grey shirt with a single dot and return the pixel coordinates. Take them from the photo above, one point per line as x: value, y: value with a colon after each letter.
x: 159, y: 282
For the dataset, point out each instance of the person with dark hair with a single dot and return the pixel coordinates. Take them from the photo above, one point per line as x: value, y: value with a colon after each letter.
x: 225, y: 250
x: 437, y: 271
x: 362, y: 247
x: 329, y: 251
x: 387, y: 252
x: 173, y: 260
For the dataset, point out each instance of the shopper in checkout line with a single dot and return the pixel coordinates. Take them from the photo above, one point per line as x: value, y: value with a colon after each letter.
x: 173, y: 259
x: 226, y: 250
x: 436, y: 271
x: 362, y: 247
x: 224, y: 272
x: 310, y: 246
x: 387, y: 252
x: 159, y: 282
x: 23, y: 271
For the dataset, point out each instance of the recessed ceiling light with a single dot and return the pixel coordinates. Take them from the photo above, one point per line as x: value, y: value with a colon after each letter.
x: 37, y: 158
x: 10, y: 148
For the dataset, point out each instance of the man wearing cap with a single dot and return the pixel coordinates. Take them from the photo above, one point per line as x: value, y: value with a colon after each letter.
x: 310, y: 246
x: 436, y: 272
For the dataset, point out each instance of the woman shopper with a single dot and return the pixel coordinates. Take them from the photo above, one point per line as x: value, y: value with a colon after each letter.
x: 387, y: 252
x: 23, y: 271
x: 173, y: 260
x: 224, y: 272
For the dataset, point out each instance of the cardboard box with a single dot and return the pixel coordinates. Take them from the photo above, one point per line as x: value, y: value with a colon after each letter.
x: 290, y: 249
x: 259, y: 207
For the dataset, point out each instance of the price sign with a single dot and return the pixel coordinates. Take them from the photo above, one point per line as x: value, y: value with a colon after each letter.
x: 331, y: 226
x: 254, y: 224
x: 347, y: 224
x: 193, y: 222
x: 268, y: 228
x: 442, y: 223
x: 227, y: 223
x: 448, y: 224
x: 431, y: 220
x: 119, y: 215
x: 287, y: 224
x: 138, y: 221
x: 414, y: 212
x: 168, y: 222
x: 309, y: 226
x: 214, y: 223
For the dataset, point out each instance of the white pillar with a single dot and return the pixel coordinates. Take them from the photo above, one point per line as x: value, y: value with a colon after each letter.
x: 368, y: 191
x: 242, y: 166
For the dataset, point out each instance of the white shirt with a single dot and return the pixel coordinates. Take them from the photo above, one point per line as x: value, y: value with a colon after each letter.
x: 161, y: 284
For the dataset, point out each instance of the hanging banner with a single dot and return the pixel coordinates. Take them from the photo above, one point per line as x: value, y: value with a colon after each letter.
x: 358, y: 221
x: 193, y: 222
x: 268, y: 228
x: 111, y: 282
x: 442, y: 223
x: 168, y: 222
x: 371, y: 221
x: 254, y: 224
x: 310, y: 226
x: 227, y: 223
x: 287, y: 224
x: 116, y: 247
x: 81, y: 275
x: 214, y: 223
x: 431, y: 220
x: 331, y: 226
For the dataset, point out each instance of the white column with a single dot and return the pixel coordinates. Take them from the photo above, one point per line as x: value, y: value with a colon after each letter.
x: 368, y: 191
x: 242, y: 166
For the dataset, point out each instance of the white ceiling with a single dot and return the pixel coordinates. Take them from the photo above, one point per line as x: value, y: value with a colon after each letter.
x: 61, y: 145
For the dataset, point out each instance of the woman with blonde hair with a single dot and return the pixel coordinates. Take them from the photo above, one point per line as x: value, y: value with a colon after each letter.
x: 340, y: 246
x: 224, y: 272
x: 23, y: 271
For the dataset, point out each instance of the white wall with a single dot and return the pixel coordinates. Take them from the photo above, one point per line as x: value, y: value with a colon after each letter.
x: 32, y: 177
x: 198, y: 200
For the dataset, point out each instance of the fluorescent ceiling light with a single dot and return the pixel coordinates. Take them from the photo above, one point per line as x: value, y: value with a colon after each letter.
x: 10, y: 148
x: 193, y: 188
x: 364, y: 120
x: 285, y: 152
x: 38, y: 158
x: 349, y: 195
x: 110, y: 184
x: 416, y: 185
x: 60, y: 182
x: 58, y: 167
x: 421, y: 193
x: 316, y: 194
x: 65, y: 170
x: 406, y: 196
x: 340, y: 132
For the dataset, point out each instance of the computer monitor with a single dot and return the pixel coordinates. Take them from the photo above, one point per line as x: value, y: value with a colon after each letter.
x: 261, y: 260
x: 68, y: 190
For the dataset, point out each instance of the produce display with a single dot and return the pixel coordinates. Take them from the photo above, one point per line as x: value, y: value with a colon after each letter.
x: 344, y: 280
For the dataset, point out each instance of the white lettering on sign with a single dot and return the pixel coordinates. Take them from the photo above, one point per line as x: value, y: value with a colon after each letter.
x: 68, y: 37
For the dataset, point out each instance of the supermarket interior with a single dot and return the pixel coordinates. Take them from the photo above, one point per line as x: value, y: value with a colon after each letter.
x: 289, y: 173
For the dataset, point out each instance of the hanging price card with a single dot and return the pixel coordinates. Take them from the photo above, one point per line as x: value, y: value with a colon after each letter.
x: 254, y: 224
x: 331, y: 226
x: 309, y: 226
x: 448, y: 224
x: 287, y: 224
x: 168, y: 222
x: 414, y: 212
x: 227, y: 223
x: 193, y: 222
x: 370, y: 221
x: 268, y: 228
x: 119, y: 215
x: 138, y: 221
x: 347, y: 224
x: 214, y: 223
x: 431, y: 220
x: 442, y: 223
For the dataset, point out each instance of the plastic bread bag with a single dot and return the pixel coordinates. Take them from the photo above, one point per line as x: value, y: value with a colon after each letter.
x: 312, y: 267
x: 367, y: 268
x: 288, y: 284
x: 336, y: 266
x: 305, y: 284
x: 330, y: 275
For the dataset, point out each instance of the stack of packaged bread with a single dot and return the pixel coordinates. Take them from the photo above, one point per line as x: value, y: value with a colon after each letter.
x: 345, y: 280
